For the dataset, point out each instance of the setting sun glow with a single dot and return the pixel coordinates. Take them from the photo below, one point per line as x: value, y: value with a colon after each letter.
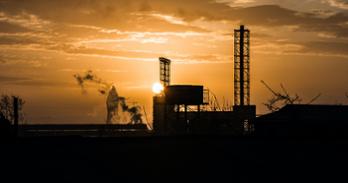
x: 157, y: 88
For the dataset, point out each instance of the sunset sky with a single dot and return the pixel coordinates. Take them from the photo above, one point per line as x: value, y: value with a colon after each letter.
x: 302, y: 44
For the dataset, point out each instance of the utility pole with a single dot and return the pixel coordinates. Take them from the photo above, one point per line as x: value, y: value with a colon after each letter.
x: 15, y: 115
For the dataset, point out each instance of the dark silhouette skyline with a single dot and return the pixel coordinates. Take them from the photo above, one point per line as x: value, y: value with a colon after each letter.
x: 209, y: 118
x: 44, y: 43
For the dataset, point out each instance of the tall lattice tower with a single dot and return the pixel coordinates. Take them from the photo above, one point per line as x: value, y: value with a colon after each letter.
x: 164, y: 71
x: 160, y: 108
x: 241, y: 67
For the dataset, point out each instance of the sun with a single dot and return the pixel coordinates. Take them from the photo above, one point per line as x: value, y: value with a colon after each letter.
x: 157, y: 88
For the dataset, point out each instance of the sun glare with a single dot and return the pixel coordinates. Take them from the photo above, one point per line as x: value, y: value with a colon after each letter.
x: 157, y: 88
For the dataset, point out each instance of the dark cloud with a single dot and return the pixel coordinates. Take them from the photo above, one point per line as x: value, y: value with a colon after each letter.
x: 273, y: 15
x: 10, y: 79
x: 120, y: 14
x: 6, y: 27
x: 27, y: 81
x: 106, y: 13
x: 202, y: 58
x: 333, y: 24
x: 322, y: 47
x: 102, y: 52
x: 2, y: 60
x: 42, y: 83
x: 109, y: 13
x: 21, y: 40
x: 137, y: 54
x: 145, y: 6
x: 135, y: 15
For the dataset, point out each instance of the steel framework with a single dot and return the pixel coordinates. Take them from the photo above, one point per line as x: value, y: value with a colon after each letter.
x: 241, y: 66
x: 164, y: 71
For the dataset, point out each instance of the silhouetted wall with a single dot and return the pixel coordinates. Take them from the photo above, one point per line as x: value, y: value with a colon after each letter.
x: 304, y: 120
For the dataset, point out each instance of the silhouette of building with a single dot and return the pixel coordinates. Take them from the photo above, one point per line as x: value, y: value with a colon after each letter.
x: 178, y: 110
x: 304, y: 120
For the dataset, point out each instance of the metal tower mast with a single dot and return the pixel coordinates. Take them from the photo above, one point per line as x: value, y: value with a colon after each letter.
x: 164, y: 71
x: 241, y: 67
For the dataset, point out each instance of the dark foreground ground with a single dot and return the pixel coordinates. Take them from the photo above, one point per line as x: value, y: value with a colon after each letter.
x: 175, y: 159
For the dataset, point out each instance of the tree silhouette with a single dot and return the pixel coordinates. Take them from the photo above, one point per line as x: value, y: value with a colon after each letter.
x: 7, y: 108
x: 282, y: 98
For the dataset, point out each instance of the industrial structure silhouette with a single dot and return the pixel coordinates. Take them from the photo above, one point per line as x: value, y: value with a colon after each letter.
x: 178, y: 109
x: 182, y: 109
x: 189, y: 139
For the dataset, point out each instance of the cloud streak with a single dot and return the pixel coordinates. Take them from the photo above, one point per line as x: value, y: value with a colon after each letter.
x: 343, y: 4
x: 96, y: 28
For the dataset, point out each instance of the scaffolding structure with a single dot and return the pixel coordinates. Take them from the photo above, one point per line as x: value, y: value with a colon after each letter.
x: 164, y: 71
x: 242, y: 67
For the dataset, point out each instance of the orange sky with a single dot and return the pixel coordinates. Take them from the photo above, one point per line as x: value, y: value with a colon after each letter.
x: 302, y: 44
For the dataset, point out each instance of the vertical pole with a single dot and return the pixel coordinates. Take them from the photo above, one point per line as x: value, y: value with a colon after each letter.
x: 177, y: 112
x: 241, y: 70
x: 186, y: 122
x: 15, y: 115
x: 199, y: 111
